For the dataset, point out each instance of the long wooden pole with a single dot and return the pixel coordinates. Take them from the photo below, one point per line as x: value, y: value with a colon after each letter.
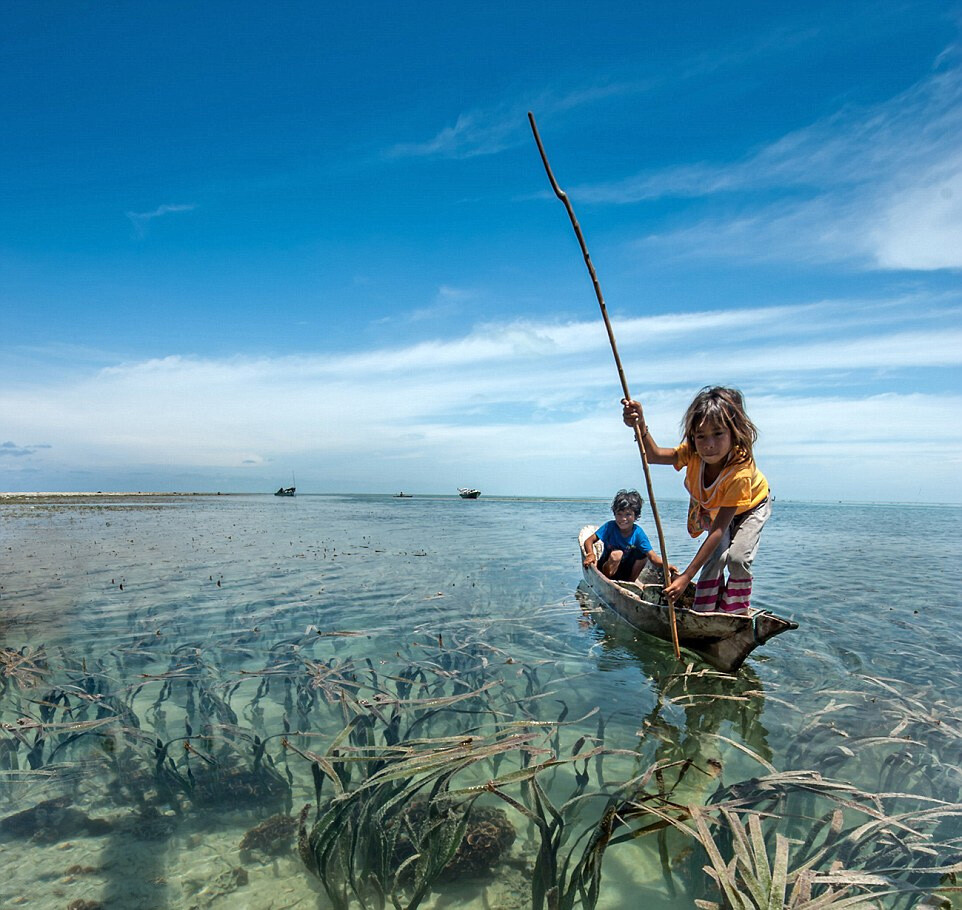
x: 563, y: 196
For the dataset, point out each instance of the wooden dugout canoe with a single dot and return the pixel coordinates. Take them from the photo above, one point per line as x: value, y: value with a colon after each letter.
x: 723, y: 640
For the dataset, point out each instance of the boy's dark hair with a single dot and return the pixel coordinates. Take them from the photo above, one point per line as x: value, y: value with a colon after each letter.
x: 627, y: 499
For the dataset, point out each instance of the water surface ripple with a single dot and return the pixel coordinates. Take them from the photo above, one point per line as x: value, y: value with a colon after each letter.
x: 220, y: 621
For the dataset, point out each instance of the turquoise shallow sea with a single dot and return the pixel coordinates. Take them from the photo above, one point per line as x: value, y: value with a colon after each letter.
x: 178, y: 670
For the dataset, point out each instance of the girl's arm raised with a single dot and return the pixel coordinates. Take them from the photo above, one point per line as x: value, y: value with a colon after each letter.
x: 655, y: 453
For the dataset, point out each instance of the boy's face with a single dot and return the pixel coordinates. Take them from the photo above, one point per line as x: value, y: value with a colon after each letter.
x: 625, y: 518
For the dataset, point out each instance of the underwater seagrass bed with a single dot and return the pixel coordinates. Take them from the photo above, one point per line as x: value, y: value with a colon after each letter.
x: 366, y: 701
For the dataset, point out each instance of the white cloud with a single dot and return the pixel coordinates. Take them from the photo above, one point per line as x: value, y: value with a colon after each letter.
x: 473, y: 133
x: 489, y: 131
x: 141, y: 220
x: 447, y: 292
x: 921, y: 228
x: 514, y: 403
x: 12, y: 450
x: 880, y: 185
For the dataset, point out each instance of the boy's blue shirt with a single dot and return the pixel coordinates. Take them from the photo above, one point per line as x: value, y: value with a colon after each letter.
x: 609, y: 534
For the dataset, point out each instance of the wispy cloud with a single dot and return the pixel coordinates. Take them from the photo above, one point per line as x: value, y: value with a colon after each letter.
x: 473, y: 133
x: 880, y: 185
x: 448, y: 292
x: 490, y: 131
x: 141, y: 220
x: 527, y: 397
x: 448, y: 301
x: 12, y: 450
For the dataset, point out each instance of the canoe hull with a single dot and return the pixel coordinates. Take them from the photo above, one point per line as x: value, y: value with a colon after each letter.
x: 723, y: 640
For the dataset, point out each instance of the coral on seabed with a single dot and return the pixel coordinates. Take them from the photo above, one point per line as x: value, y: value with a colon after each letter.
x: 203, y: 892
x: 52, y: 820
x: 487, y: 838
x: 272, y: 837
x: 150, y: 825
x: 237, y: 788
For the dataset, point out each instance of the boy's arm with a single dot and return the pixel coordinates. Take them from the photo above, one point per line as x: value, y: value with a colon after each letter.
x: 655, y: 453
x: 588, y: 557
x: 678, y: 584
x: 656, y: 559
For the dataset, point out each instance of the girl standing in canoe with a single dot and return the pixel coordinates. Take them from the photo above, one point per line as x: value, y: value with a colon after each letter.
x: 729, y: 495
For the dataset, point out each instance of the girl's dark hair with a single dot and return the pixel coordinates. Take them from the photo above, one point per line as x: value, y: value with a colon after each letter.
x: 627, y: 499
x: 726, y: 407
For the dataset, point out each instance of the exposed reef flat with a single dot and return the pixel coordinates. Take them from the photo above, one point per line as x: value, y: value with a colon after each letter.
x: 66, y: 502
x: 33, y: 497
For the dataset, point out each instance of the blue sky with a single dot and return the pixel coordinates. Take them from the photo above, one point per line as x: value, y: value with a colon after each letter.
x: 243, y: 242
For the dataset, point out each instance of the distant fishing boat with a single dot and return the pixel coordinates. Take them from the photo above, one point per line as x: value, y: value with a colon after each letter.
x: 403, y: 495
x: 287, y: 491
x: 468, y: 493
x: 723, y: 640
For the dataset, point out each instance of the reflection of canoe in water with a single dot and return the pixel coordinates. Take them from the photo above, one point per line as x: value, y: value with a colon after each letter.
x: 723, y: 640
x: 468, y: 493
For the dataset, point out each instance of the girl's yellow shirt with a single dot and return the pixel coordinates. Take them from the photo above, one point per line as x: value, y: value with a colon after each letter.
x: 740, y: 484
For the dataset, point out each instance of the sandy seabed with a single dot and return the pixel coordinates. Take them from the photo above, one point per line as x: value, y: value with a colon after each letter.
x: 199, y: 870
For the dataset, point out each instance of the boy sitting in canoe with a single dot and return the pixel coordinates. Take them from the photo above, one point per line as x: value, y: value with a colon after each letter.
x: 626, y: 546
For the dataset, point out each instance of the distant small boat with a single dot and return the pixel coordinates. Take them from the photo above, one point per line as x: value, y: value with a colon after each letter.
x: 403, y: 495
x: 285, y: 491
x: 468, y: 493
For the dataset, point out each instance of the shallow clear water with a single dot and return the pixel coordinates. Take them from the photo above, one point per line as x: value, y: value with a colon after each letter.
x: 228, y: 621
